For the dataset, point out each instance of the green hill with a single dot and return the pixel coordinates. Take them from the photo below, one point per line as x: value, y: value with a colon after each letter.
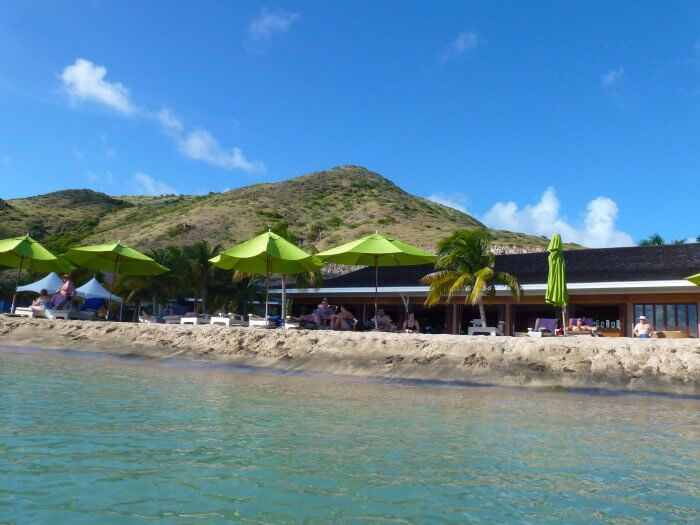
x: 323, y: 208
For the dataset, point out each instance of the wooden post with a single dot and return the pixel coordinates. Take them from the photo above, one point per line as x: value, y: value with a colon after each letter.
x: 629, y: 320
x: 508, y: 319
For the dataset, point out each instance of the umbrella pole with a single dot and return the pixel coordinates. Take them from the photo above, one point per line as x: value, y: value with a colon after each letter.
x: 283, y: 311
x: 111, y: 287
x: 19, y: 274
x: 267, y: 287
x: 563, y: 320
x: 376, y: 291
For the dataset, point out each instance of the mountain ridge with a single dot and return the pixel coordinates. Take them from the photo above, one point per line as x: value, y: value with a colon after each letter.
x: 322, y: 208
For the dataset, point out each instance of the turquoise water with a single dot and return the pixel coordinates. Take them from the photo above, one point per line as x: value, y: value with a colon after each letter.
x: 85, y: 438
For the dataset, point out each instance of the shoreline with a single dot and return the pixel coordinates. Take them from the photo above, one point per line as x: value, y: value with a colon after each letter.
x: 651, y: 365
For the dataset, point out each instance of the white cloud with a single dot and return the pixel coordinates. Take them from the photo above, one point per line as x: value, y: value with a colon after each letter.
x: 78, y: 154
x: 151, y: 186
x: 465, y: 42
x: 5, y: 159
x: 200, y: 145
x: 596, y: 230
x: 86, y: 81
x: 456, y: 201
x: 612, y: 78
x: 169, y: 120
x: 99, y: 176
x: 263, y: 29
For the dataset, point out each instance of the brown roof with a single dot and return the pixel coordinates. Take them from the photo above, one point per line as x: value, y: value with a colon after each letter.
x: 635, y: 263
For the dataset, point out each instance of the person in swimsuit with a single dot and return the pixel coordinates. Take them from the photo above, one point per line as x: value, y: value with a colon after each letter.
x: 322, y: 314
x: 642, y: 329
x: 41, y: 302
x: 410, y: 325
x: 65, y: 293
x: 384, y: 321
x: 342, y: 320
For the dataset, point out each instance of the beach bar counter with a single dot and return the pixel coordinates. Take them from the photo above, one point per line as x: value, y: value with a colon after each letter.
x: 611, y: 287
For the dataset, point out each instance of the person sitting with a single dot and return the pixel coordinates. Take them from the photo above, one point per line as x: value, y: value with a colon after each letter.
x: 383, y: 322
x: 65, y: 293
x: 42, y: 302
x: 321, y: 315
x: 642, y: 329
x: 343, y: 320
x: 410, y: 325
x: 103, y: 311
x: 580, y: 326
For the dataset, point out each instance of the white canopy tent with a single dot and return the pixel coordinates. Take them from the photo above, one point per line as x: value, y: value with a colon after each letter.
x: 51, y: 283
x: 93, y: 289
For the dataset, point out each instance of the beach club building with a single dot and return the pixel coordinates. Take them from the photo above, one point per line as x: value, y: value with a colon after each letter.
x: 612, y: 286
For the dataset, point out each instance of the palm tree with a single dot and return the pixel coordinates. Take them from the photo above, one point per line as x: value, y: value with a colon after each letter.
x: 653, y: 240
x: 163, y: 285
x: 244, y: 290
x: 193, y: 270
x: 466, y: 265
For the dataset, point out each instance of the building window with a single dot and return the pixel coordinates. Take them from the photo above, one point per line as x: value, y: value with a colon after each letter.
x: 683, y: 317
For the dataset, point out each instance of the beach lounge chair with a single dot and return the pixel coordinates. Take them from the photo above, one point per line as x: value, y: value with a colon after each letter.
x: 52, y: 313
x: 255, y: 321
x: 47, y: 313
x: 228, y: 319
x: 194, y: 319
x: 88, y: 310
x: 477, y: 329
x: 23, y: 311
x: 546, y: 325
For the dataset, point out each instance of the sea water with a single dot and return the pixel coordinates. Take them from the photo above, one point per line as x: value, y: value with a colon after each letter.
x: 86, y: 438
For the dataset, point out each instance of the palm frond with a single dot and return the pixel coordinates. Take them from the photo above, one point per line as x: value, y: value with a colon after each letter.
x: 439, y: 285
x: 511, y: 282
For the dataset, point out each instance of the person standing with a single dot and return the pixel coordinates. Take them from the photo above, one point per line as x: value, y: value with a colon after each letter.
x: 642, y: 329
x: 65, y: 293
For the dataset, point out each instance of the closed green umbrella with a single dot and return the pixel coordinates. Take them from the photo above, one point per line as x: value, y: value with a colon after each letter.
x: 25, y: 253
x: 116, y: 258
x: 377, y: 250
x: 557, y: 294
x: 695, y: 279
x: 266, y: 254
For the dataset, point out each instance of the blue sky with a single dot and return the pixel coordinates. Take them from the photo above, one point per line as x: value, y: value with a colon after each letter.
x: 532, y: 116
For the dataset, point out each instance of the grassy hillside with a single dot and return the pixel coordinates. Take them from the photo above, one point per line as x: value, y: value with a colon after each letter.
x: 324, y: 208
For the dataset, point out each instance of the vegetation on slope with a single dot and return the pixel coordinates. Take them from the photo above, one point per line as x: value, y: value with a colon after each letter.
x: 322, y: 209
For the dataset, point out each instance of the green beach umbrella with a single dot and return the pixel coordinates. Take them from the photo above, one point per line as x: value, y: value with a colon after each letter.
x: 266, y: 254
x: 25, y: 253
x: 557, y: 294
x: 695, y: 279
x: 116, y: 258
x: 377, y: 250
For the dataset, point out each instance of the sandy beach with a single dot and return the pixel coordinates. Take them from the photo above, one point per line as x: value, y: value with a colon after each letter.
x: 661, y: 365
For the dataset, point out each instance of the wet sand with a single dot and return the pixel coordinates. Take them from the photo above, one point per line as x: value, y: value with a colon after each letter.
x: 654, y: 365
